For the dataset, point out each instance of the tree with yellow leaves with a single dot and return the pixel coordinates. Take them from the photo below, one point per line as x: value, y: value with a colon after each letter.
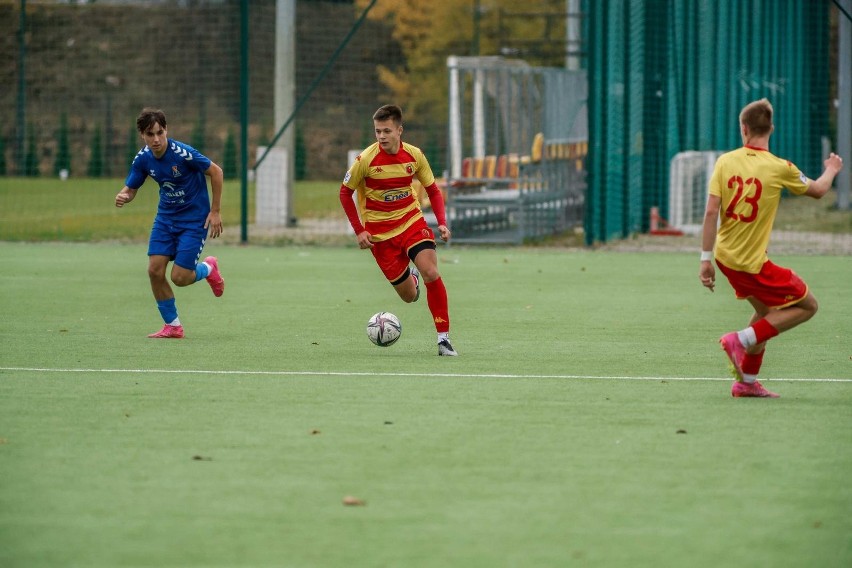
x: 429, y: 32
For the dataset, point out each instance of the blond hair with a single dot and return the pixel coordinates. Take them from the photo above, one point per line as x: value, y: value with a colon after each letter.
x: 757, y: 116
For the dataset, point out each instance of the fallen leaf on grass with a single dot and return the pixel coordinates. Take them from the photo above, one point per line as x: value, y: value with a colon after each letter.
x: 201, y: 458
x: 681, y: 431
x: 315, y: 432
x: 351, y: 501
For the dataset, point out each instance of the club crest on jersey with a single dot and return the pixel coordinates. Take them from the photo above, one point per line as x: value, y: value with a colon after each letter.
x: 175, y: 171
x: 409, y: 169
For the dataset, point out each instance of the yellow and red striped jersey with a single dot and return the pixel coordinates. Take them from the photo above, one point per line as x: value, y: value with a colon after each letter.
x: 386, y: 199
x: 749, y: 182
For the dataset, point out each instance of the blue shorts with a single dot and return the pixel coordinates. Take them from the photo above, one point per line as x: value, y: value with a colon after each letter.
x: 182, y: 243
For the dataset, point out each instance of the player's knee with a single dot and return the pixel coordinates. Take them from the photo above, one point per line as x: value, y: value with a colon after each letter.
x: 183, y: 278
x: 810, y: 306
x: 814, y: 306
x: 156, y: 273
x: 430, y: 274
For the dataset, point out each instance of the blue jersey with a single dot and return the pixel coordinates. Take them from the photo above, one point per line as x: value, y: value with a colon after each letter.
x: 180, y: 174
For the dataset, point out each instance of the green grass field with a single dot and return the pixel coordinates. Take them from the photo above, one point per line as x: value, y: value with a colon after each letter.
x: 82, y: 210
x: 587, y: 422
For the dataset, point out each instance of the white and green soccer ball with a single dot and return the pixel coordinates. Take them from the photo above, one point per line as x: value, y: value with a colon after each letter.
x: 384, y: 329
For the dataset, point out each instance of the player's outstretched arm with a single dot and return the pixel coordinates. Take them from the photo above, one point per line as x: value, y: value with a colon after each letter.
x: 124, y: 196
x: 820, y: 186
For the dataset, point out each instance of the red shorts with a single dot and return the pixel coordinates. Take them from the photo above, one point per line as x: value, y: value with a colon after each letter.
x: 394, y: 254
x: 774, y: 286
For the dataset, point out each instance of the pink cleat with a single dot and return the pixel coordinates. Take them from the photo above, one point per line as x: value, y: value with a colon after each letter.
x: 730, y: 342
x: 217, y: 283
x: 169, y: 332
x: 755, y: 389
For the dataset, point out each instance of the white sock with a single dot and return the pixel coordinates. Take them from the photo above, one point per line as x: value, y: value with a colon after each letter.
x: 175, y: 323
x: 749, y: 379
x: 443, y: 336
x: 747, y: 337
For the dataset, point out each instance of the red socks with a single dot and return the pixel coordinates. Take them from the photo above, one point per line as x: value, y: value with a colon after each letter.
x: 436, y: 298
x: 751, y: 363
x: 763, y: 330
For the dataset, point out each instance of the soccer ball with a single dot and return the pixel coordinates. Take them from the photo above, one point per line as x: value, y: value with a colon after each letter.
x: 384, y: 329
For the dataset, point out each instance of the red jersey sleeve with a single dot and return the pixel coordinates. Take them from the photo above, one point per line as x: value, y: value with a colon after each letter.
x: 350, y: 209
x: 436, y: 199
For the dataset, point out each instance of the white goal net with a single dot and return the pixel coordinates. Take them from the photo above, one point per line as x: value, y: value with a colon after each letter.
x: 273, y: 204
x: 689, y: 174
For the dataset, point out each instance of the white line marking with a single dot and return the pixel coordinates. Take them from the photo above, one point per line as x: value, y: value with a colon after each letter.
x: 385, y: 374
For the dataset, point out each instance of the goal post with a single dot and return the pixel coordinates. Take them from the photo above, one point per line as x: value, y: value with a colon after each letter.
x: 272, y: 203
x: 689, y: 176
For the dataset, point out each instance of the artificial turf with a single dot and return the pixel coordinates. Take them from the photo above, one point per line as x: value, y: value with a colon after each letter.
x: 587, y: 421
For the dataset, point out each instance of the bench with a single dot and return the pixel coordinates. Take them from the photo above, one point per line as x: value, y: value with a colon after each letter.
x: 510, y: 198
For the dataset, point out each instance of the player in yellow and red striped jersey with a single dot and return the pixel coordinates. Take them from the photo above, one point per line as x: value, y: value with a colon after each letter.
x: 744, y: 193
x: 388, y: 219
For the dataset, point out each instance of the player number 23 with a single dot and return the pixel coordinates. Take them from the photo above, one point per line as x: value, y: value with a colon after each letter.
x: 736, y: 182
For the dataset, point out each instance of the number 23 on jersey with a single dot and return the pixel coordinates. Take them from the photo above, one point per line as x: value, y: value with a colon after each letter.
x: 737, y: 184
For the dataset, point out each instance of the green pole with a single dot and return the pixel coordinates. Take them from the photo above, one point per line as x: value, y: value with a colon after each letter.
x: 22, y: 91
x: 244, y: 105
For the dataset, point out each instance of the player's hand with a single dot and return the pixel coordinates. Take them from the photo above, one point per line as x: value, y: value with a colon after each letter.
x: 213, y: 224
x: 834, y: 162
x: 124, y: 196
x: 365, y: 240
x: 707, y: 275
x: 444, y: 232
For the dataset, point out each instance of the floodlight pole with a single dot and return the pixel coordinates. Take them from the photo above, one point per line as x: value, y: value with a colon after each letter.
x: 844, y: 111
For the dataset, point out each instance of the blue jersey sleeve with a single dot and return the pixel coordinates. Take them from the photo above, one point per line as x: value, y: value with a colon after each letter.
x: 138, y: 173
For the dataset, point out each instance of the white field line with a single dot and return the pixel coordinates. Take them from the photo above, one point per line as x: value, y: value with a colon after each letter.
x: 388, y: 374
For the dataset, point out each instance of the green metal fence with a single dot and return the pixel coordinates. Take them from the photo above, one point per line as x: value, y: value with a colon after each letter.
x: 671, y: 75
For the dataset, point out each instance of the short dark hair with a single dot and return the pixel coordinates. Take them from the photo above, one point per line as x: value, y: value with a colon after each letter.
x: 148, y: 117
x: 386, y: 112
x: 757, y: 116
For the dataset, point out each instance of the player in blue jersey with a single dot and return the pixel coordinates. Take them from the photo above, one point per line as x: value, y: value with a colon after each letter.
x: 185, y: 215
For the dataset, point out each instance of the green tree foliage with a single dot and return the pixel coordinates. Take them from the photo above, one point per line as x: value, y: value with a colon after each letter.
x: 96, y: 157
x: 229, y: 156
x: 3, y: 170
x: 63, y: 151
x: 31, y: 155
x: 301, y: 157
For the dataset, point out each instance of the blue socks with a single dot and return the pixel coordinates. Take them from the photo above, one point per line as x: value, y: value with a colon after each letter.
x: 168, y: 310
x: 202, y: 270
